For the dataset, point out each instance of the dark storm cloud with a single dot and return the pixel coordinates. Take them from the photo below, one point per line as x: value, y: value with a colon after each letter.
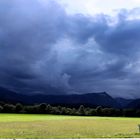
x: 122, y: 39
x: 43, y: 49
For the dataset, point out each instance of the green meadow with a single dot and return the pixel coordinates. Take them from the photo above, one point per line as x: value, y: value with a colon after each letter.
x: 57, y: 126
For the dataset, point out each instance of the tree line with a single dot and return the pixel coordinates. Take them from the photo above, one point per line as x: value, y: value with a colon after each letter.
x: 44, y: 108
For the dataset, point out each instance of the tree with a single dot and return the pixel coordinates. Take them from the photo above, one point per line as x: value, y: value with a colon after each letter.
x: 129, y: 112
x: 99, y: 110
x: 19, y: 107
x: 93, y: 112
x: 68, y: 111
x: 55, y: 110
x: 81, y: 110
x: 108, y: 112
x: 64, y: 111
x: 42, y: 108
x: 31, y: 109
x: 138, y: 113
x: 8, y: 108
x: 48, y: 109
x: 1, y: 108
x: 73, y: 111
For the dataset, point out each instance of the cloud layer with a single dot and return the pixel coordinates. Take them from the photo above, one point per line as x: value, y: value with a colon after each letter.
x: 44, y: 49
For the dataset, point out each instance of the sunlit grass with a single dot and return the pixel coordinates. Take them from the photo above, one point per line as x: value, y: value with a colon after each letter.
x: 55, y: 126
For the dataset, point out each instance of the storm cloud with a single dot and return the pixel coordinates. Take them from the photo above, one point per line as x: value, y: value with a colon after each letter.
x: 43, y: 49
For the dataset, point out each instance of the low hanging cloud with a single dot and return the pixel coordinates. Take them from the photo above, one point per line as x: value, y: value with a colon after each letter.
x: 45, y: 50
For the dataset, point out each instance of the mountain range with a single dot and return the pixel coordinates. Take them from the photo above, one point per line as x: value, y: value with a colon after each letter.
x: 73, y: 100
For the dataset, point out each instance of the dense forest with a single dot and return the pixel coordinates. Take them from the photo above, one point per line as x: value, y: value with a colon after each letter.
x: 44, y: 108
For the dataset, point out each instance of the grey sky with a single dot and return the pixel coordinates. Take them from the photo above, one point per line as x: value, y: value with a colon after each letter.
x: 46, y: 47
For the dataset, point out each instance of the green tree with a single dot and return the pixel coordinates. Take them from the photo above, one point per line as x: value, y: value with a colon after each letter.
x: 42, y: 108
x: 93, y: 112
x: 48, y: 109
x: 81, y: 110
x: 1, y: 108
x: 55, y: 110
x: 19, y: 107
x: 129, y: 112
x: 8, y: 108
x: 99, y: 110
x: 64, y: 111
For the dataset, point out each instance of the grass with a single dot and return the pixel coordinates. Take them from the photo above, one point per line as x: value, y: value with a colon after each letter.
x: 54, y: 126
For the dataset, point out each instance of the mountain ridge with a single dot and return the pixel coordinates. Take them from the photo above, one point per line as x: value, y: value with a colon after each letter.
x: 69, y: 100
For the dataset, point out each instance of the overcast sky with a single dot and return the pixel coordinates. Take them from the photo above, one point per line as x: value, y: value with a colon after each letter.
x: 70, y: 46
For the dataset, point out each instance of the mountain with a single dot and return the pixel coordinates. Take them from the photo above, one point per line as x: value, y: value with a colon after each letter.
x: 11, y: 96
x: 123, y: 102
x: 134, y: 104
x: 73, y: 100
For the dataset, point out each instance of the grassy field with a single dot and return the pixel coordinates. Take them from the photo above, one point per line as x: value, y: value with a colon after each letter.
x: 54, y: 126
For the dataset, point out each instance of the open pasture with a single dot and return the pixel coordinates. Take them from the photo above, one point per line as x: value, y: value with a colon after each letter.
x: 55, y: 126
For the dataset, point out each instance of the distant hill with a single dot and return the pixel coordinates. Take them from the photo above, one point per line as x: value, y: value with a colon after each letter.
x: 11, y: 96
x: 134, y: 104
x: 73, y: 100
x: 123, y: 102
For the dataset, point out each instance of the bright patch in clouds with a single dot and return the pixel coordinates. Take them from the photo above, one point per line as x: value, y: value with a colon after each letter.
x: 92, y: 7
